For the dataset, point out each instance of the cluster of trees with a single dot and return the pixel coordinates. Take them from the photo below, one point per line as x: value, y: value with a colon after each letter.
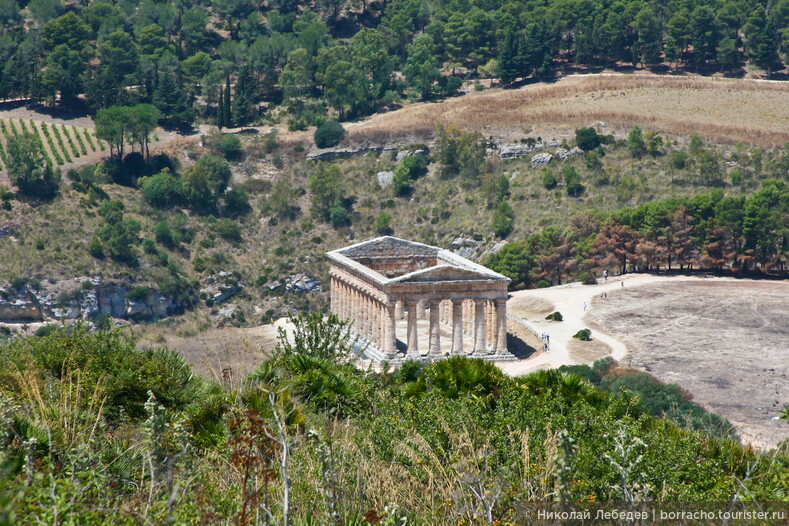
x: 131, y: 435
x: 708, y: 231
x: 230, y: 55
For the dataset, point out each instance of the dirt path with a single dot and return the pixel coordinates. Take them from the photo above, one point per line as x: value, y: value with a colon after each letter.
x: 722, y: 339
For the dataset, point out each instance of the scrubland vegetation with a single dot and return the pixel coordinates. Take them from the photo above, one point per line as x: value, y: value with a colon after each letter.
x: 96, y: 431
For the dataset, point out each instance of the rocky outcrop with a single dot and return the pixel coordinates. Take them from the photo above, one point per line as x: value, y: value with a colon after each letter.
x: 220, y: 287
x: 384, y: 178
x: 331, y: 154
x: 301, y: 283
x: 465, y: 247
x: 83, y: 299
x: 19, y: 306
x: 540, y: 160
x: 516, y: 150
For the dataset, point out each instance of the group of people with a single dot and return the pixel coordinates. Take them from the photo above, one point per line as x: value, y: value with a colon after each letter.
x: 546, y: 341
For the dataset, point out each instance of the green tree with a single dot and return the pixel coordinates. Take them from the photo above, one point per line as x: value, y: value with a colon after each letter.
x: 329, y: 134
x: 170, y: 99
x: 503, y: 220
x: 635, y: 142
x: 587, y: 139
x: 383, y: 224
x: 28, y: 169
x: 328, y: 191
x: 162, y: 190
x: 205, y: 182
x: 514, y: 260
x: 421, y: 67
x: 572, y: 181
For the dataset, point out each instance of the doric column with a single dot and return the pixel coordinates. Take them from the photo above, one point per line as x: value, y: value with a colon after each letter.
x: 501, y: 327
x: 435, y: 328
x: 366, y: 315
x: 400, y: 309
x: 420, y: 310
x: 381, y: 324
x: 457, y: 326
x: 412, y: 330
x: 479, y: 327
x: 357, y: 311
x: 389, y: 347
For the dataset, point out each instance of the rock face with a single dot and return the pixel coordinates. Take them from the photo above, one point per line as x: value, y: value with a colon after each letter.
x: 331, y: 154
x: 19, y: 306
x: 540, y: 160
x: 465, y: 247
x: 513, y: 151
x: 384, y: 178
x: 83, y: 299
x: 220, y: 287
x: 301, y: 283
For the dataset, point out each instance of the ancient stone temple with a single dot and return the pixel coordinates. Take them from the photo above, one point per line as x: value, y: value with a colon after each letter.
x: 408, y: 300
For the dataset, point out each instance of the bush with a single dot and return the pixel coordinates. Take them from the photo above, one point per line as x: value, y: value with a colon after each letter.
x: 138, y: 293
x: 584, y: 335
x: 230, y: 146
x: 383, y: 224
x: 228, y: 229
x: 587, y: 139
x: 548, y: 179
x: 587, y: 278
x: 555, y: 316
x: 503, y: 219
x: 163, y: 234
x: 329, y: 134
x: 162, y: 190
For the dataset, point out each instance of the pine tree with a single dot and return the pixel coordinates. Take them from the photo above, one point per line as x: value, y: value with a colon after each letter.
x: 245, y: 96
x: 169, y: 97
x: 227, y: 116
x: 220, y: 113
x: 508, y: 58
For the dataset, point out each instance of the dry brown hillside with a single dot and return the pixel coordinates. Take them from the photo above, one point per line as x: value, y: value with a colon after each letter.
x: 751, y: 111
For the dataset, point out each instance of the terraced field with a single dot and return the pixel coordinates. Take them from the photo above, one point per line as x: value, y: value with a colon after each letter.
x: 62, y: 144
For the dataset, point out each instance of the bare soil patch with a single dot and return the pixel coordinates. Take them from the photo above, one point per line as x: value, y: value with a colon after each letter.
x: 724, y: 341
x: 590, y: 351
x: 528, y: 307
x: 228, y: 353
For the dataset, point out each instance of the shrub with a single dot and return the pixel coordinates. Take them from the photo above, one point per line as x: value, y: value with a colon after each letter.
x: 503, y: 219
x: 138, y: 293
x: 228, y: 229
x: 383, y: 224
x: 230, y: 146
x: 162, y: 190
x: 236, y: 202
x: 163, y: 234
x: 587, y: 278
x: 587, y: 139
x: 95, y: 249
x: 555, y: 316
x: 548, y: 179
x: 583, y: 335
x: 329, y: 134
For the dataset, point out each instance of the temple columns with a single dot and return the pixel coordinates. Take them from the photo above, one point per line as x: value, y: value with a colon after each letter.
x: 390, y: 331
x: 411, y: 333
x: 435, y: 328
x: 479, y: 327
x: 501, y: 327
x: 457, y: 326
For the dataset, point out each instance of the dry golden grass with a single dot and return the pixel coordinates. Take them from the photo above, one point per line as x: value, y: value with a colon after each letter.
x: 722, y: 110
x: 585, y: 352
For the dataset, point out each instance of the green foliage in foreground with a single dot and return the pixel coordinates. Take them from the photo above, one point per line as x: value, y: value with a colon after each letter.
x: 95, y: 430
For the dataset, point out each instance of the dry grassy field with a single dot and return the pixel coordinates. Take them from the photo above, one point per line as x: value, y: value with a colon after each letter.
x: 722, y: 110
x: 723, y: 341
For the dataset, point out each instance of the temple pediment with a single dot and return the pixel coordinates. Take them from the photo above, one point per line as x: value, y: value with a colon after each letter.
x: 444, y: 273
